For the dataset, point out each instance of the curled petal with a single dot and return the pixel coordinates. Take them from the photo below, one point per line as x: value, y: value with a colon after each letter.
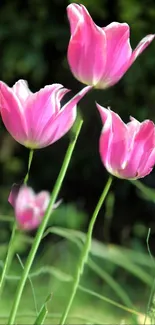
x: 21, y: 90
x: 63, y: 121
x: 141, y: 47
x: 144, y: 43
x: 58, y: 97
x: 118, y: 48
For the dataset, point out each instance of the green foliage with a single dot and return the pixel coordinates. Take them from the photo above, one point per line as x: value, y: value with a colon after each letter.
x: 54, y: 276
x: 43, y: 312
x: 67, y: 215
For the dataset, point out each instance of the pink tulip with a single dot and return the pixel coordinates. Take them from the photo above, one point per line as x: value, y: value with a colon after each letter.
x: 127, y: 150
x: 29, y: 207
x: 100, y: 56
x: 37, y: 120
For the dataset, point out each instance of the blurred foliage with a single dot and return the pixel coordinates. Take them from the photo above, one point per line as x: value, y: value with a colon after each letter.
x: 107, y: 289
x: 34, y: 36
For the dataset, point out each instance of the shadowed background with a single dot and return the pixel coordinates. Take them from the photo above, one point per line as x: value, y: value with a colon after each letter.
x: 34, y: 37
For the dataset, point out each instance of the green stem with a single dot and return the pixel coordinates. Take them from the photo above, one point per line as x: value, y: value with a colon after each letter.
x: 85, y: 251
x: 29, y: 166
x: 148, y: 310
x: 8, y: 260
x: 10, y: 252
x: 43, y: 225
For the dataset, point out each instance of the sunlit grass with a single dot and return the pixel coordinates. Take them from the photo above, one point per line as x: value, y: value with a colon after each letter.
x: 114, y: 288
x: 52, y: 273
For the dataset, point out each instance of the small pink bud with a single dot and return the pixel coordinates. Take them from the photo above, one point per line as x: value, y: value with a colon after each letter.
x: 127, y: 150
x: 29, y: 207
x: 37, y: 120
x: 100, y: 56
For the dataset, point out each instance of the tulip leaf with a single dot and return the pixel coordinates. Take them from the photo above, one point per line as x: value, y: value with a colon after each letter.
x: 43, y: 312
x: 112, y: 253
x: 147, y: 193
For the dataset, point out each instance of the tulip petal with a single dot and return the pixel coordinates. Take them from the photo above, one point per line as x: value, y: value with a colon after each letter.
x: 86, y: 47
x: 75, y: 16
x: 13, y: 194
x: 21, y: 90
x: 113, y: 144
x: 148, y: 146
x: 149, y: 164
x: 118, y: 48
x: 133, y: 128
x: 29, y: 219
x: 58, y: 97
x: 25, y: 195
x: 42, y: 200
x: 40, y: 106
x: 141, y: 47
x: 59, y: 125
x: 143, y: 143
x: 12, y: 113
x: 104, y: 143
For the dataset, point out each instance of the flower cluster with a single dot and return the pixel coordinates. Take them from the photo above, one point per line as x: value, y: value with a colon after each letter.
x: 98, y: 57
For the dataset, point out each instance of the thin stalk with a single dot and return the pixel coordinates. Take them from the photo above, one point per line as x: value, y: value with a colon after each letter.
x: 10, y: 252
x: 85, y: 251
x: 8, y: 260
x: 148, y: 311
x: 29, y: 166
x: 43, y: 225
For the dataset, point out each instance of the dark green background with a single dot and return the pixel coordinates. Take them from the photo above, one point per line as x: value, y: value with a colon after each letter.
x: 34, y: 37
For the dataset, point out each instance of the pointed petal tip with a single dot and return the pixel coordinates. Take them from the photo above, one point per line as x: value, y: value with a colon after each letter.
x: 101, y: 108
x: 74, y: 15
x: 104, y: 112
x: 13, y: 194
x: 74, y: 100
x: 22, y: 81
x: 143, y: 44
